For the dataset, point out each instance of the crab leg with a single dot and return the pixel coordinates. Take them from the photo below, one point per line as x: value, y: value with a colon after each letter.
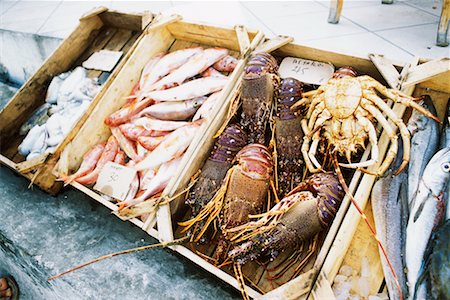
x: 305, y: 148
x: 400, y: 97
x: 392, y: 153
x: 320, y: 109
x: 401, y: 126
x: 319, y: 99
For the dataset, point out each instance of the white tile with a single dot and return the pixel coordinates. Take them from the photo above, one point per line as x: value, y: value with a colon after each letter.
x: 270, y: 9
x: 361, y: 45
x: 217, y: 13
x: 5, y: 5
x: 432, y: 6
x: 352, y: 3
x: 419, y: 40
x: 140, y: 6
x: 311, y: 26
x: 388, y: 16
x: 27, y: 4
x: 23, y: 13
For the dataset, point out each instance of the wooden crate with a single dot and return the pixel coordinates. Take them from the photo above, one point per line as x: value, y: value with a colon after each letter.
x: 164, y: 35
x: 98, y: 29
x: 300, y: 286
x: 354, y: 240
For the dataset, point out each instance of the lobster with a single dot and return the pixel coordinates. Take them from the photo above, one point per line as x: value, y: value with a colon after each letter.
x: 258, y: 85
x: 288, y: 136
x: 304, y: 212
x: 232, y: 139
x: 242, y: 193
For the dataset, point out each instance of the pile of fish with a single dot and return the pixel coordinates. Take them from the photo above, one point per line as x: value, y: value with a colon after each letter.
x: 68, y: 96
x: 408, y: 208
x: 150, y: 133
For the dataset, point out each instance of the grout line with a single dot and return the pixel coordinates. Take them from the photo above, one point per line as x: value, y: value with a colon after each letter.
x: 373, y: 32
x: 9, y: 8
x: 420, y: 8
x: 48, y: 18
x: 257, y: 18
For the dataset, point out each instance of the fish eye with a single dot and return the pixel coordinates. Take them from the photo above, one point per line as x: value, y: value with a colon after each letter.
x: 446, y: 167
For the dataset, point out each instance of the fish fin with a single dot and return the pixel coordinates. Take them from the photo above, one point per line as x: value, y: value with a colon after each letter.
x: 419, y: 211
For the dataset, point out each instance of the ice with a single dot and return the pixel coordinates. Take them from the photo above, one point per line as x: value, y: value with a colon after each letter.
x: 365, y: 268
x: 374, y: 297
x: 346, y: 270
x: 363, y: 287
x: 340, y: 278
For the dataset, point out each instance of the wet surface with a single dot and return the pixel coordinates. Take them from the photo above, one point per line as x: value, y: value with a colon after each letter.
x: 42, y: 235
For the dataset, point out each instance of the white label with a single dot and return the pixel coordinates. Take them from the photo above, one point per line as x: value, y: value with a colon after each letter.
x: 103, y: 60
x: 115, y: 180
x: 308, y: 71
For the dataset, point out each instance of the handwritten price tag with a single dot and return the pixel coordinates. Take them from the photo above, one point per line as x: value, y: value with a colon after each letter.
x: 103, y: 60
x: 115, y: 180
x: 308, y: 71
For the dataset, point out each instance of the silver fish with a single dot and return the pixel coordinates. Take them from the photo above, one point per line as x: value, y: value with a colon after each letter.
x: 427, y: 212
x: 176, y: 111
x: 390, y: 211
x: 207, y: 106
x: 38, y: 117
x: 445, y: 142
x: 424, y: 144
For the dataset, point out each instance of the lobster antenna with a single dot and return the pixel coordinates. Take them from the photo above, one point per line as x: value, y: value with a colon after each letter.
x: 147, y: 247
x: 363, y: 215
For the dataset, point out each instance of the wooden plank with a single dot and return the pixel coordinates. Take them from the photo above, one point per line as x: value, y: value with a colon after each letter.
x: 209, y: 35
x: 426, y: 71
x: 129, y: 21
x: 243, y: 39
x: 116, y: 43
x: 271, y: 45
x: 19, y: 107
x: 102, y: 38
x: 322, y: 289
x: 387, y: 70
x: 94, y: 130
x: 293, y: 289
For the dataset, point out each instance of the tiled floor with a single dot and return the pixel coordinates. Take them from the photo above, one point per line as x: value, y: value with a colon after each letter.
x: 402, y: 30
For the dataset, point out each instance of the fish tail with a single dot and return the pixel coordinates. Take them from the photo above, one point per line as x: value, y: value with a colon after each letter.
x: 363, y: 215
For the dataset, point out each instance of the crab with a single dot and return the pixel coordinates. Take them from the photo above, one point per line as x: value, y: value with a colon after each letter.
x: 342, y: 111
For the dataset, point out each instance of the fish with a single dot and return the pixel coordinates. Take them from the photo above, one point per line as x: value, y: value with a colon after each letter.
x: 427, y: 211
x: 226, y: 64
x: 157, y: 184
x: 108, y: 154
x: 125, y: 114
x: 390, y: 211
x: 172, y: 147
x: 88, y: 164
x: 445, y: 142
x: 39, y: 117
x: 159, y: 125
x: 175, y: 111
x: 133, y: 132
x: 424, y: 144
x: 120, y: 158
x: 189, y: 90
x: 168, y: 64
x: 195, y: 65
x: 124, y: 143
x: 211, y: 72
x: 150, y: 142
x: 205, y: 110
x: 148, y: 69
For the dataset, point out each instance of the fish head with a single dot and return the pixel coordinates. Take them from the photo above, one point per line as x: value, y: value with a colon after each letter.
x: 437, y: 172
x: 418, y: 121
